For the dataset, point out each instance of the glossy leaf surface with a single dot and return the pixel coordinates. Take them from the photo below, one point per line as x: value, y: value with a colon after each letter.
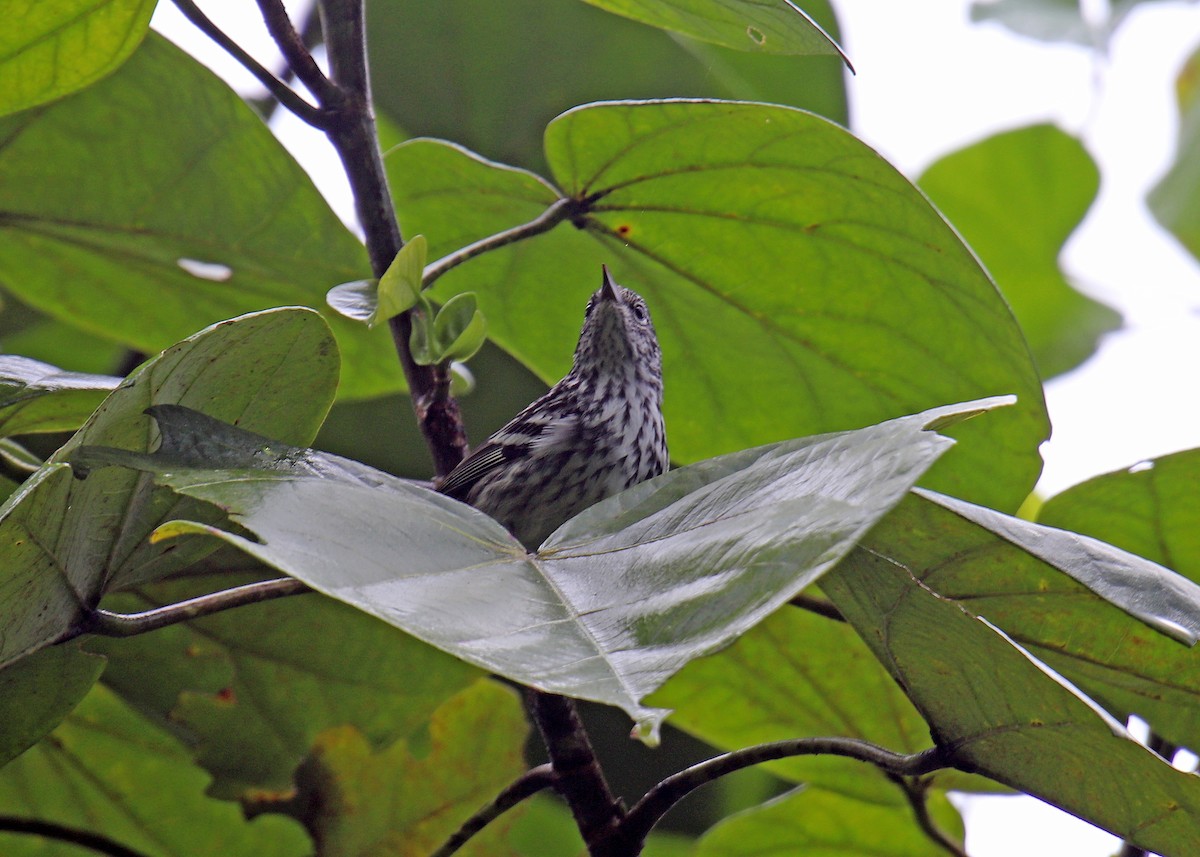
x: 617, y: 599
x: 37, y: 397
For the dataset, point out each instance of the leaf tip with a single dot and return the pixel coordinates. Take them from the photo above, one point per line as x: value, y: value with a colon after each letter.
x: 648, y: 726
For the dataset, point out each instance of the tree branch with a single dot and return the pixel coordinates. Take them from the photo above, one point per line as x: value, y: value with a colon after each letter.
x: 63, y: 833
x: 556, y: 213
x: 527, y: 785
x: 283, y: 93
x: 578, y: 777
x: 353, y: 134
x: 296, y: 53
x: 108, y: 624
x: 651, y: 808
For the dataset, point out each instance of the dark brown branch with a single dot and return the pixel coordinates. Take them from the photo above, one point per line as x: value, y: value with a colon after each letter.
x: 578, y: 777
x: 108, y: 624
x: 916, y: 792
x: 526, y: 786
x: 651, y: 808
x: 353, y: 134
x: 556, y: 213
x: 296, y: 53
x: 310, y: 33
x: 62, y: 833
x: 282, y: 93
x: 817, y: 605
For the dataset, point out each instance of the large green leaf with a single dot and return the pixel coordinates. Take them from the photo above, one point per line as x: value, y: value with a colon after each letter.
x: 36, y: 397
x: 40, y: 691
x: 64, y: 542
x: 49, y: 48
x: 690, y: 559
x: 816, y: 822
x: 109, y: 772
x: 520, y: 63
x: 773, y: 26
x: 1149, y: 510
x: 1016, y: 197
x: 1175, y: 200
x: 252, y: 688
x: 799, y: 674
x: 156, y: 202
x: 798, y: 283
x: 476, y: 744
x: 991, y: 703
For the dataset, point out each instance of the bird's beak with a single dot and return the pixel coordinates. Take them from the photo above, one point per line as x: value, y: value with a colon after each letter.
x: 608, y: 291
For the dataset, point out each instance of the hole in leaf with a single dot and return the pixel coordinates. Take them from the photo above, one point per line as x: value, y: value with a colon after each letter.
x: 757, y: 36
x: 1141, y: 467
x: 214, y: 271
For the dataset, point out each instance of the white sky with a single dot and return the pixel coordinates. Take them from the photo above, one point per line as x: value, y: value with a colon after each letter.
x: 930, y: 82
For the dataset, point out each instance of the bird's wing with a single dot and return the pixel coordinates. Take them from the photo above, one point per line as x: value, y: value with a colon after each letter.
x: 472, y: 468
x: 528, y: 431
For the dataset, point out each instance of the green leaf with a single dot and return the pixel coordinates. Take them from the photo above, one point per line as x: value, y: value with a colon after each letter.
x: 1175, y: 200
x: 1165, y: 601
x: 818, y: 265
x: 53, y: 47
x: 814, y: 821
x: 107, y: 771
x: 37, y: 397
x: 1148, y: 510
x: 1016, y: 197
x: 915, y: 592
x: 63, y: 542
x: 37, y: 693
x: 459, y: 328
x: 693, y: 558
x: 477, y: 740
x: 570, y: 53
x: 253, y: 687
x: 400, y: 285
x: 181, y: 210
x: 775, y: 26
x: 798, y: 674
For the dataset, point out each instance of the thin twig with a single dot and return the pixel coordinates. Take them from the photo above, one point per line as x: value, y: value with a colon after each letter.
x: 651, y: 808
x: 283, y: 93
x: 556, y: 213
x: 817, y: 605
x: 526, y: 786
x: 108, y: 624
x: 916, y: 792
x: 309, y: 28
x: 578, y: 777
x: 63, y: 833
x: 296, y: 53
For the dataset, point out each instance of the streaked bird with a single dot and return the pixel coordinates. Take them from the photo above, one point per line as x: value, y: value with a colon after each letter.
x: 595, y: 433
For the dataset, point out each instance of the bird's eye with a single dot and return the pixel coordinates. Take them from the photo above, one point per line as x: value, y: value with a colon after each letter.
x: 639, y: 311
x: 591, y: 305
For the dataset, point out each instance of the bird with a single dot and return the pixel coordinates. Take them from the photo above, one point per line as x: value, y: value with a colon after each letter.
x: 595, y: 433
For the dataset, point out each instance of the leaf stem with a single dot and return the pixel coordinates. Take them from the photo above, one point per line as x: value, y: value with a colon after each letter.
x: 283, y: 93
x: 578, y: 777
x: 916, y: 791
x: 108, y: 624
x: 654, y: 805
x: 527, y: 785
x: 558, y: 211
x: 63, y: 833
